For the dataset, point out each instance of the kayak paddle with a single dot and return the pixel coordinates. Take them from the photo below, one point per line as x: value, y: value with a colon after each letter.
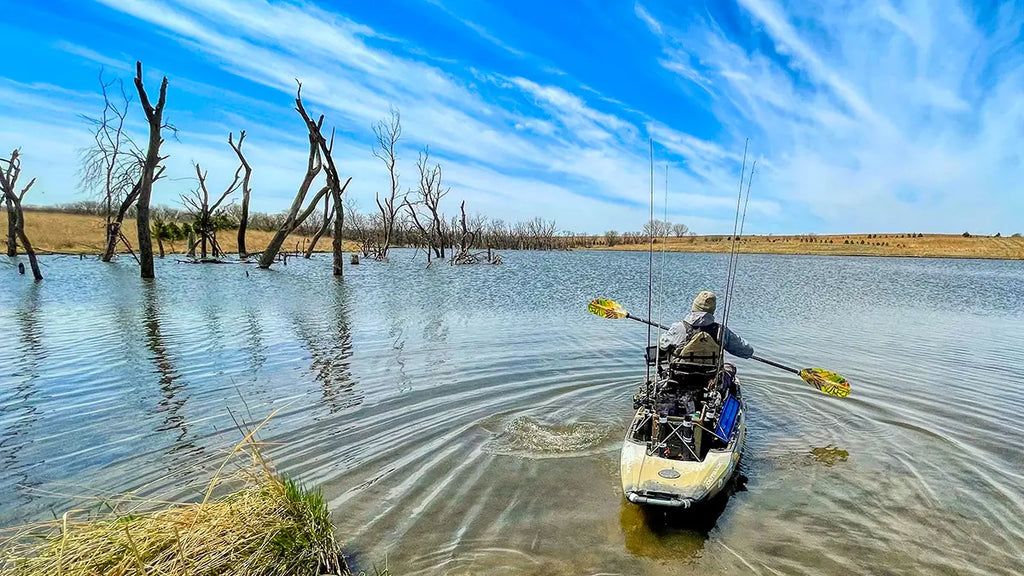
x: 822, y: 380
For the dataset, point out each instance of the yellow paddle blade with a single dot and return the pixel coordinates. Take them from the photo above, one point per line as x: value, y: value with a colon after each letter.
x: 606, y: 308
x: 828, y: 382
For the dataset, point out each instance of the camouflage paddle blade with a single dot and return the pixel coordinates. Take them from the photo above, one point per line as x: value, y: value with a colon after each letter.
x: 828, y: 382
x: 607, y: 309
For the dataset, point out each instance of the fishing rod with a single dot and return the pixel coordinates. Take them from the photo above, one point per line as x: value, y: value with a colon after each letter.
x: 661, y: 278
x: 723, y: 326
x: 650, y: 260
x: 731, y: 287
x: 823, y: 380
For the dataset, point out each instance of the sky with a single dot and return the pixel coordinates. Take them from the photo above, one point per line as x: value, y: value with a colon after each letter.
x: 863, y: 116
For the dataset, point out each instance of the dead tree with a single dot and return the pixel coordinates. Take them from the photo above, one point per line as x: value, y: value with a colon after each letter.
x: 296, y: 214
x: 10, y: 170
x: 430, y: 193
x: 243, y: 221
x: 472, y: 231
x: 151, y: 169
x: 112, y: 166
x: 333, y: 182
x: 204, y: 214
x: 388, y: 133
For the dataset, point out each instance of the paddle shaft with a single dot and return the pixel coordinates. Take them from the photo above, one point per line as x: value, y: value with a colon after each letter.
x: 776, y: 364
x: 648, y: 322
x: 758, y: 358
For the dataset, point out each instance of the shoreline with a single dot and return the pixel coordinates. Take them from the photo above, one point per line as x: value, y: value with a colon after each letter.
x: 952, y: 246
x: 60, y: 233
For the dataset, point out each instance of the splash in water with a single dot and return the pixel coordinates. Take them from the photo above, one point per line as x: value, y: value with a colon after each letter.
x: 524, y: 436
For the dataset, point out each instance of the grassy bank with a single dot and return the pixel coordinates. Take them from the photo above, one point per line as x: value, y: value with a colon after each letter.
x: 82, y: 234
x: 923, y: 246
x: 250, y: 522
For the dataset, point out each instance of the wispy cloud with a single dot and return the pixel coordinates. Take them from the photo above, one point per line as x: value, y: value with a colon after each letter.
x: 880, y: 115
x: 565, y: 157
x: 875, y: 116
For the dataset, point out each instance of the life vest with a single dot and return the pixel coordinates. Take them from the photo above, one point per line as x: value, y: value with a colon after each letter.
x: 700, y: 353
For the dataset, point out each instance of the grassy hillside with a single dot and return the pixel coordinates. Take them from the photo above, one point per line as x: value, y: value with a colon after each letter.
x: 81, y: 234
x: 928, y: 245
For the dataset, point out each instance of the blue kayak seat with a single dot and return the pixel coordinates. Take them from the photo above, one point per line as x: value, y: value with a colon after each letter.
x: 727, y: 421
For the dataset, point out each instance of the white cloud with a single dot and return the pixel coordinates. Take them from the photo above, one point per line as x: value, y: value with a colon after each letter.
x: 880, y: 115
x: 565, y: 157
x: 875, y: 116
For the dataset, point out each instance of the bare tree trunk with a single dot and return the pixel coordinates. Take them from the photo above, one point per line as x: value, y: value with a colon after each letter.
x: 20, y: 228
x: 243, y: 222
x: 337, y: 243
x: 322, y: 229
x: 114, y: 231
x: 333, y: 181
x: 150, y: 171
x: 294, y: 217
x: 12, y: 230
x: 8, y: 186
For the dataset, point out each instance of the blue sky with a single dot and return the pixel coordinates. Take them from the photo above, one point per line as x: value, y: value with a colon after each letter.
x: 864, y: 116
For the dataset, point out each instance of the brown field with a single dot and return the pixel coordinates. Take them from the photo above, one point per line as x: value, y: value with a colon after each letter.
x: 81, y: 234
x: 927, y: 246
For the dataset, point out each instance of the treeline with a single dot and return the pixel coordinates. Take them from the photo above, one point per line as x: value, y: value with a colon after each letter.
x: 652, y: 230
x: 363, y: 228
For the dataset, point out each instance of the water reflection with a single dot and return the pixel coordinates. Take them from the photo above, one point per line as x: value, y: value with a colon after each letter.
x: 173, y: 395
x: 17, y: 408
x: 330, y: 350
x: 664, y: 533
x: 257, y: 349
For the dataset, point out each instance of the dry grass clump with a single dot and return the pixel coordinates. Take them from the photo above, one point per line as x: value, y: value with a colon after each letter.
x: 263, y: 525
x: 268, y: 527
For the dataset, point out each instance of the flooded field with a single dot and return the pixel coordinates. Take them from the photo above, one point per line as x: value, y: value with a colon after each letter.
x: 467, y: 420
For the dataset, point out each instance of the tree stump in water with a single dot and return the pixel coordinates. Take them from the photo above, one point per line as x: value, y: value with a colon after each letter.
x: 354, y: 260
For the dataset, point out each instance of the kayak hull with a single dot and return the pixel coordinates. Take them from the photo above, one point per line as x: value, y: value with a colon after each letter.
x: 650, y: 480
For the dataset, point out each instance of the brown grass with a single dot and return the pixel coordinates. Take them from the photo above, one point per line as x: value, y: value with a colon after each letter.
x: 82, y: 234
x: 266, y: 525
x: 927, y: 246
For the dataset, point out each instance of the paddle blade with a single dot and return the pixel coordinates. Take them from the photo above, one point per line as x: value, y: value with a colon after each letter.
x: 607, y: 309
x: 828, y: 382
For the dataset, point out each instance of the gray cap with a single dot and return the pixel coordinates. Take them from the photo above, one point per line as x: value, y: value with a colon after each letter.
x: 704, y: 302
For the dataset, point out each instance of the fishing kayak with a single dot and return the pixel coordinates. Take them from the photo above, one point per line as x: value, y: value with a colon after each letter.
x: 683, y: 446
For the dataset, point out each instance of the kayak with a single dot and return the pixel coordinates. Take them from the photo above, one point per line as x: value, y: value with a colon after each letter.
x: 684, y: 444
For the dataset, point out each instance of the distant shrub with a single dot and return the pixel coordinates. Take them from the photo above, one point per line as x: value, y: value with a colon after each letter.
x: 966, y: 234
x: 998, y: 235
x: 1016, y: 235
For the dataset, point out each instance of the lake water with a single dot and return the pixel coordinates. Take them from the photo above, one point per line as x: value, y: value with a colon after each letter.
x: 466, y: 420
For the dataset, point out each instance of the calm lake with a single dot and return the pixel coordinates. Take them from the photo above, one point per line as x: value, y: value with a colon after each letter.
x: 467, y: 420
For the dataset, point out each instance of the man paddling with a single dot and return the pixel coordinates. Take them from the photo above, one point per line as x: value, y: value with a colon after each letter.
x: 684, y: 335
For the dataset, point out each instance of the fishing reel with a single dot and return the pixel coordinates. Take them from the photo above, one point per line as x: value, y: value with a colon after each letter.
x: 645, y: 395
